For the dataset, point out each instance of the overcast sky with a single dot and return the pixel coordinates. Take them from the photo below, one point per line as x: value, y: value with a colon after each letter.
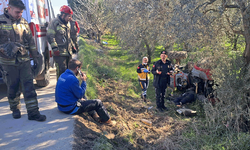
x: 57, y: 4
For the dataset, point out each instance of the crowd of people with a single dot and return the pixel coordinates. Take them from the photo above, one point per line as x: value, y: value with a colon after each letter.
x: 17, y: 71
x: 69, y: 93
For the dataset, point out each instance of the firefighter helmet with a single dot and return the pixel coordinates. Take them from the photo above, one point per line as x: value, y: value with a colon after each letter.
x: 66, y: 9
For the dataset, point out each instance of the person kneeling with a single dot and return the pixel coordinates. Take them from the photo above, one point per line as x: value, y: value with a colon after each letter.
x: 69, y: 95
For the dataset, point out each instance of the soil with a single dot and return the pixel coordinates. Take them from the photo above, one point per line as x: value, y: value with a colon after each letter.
x: 129, y: 132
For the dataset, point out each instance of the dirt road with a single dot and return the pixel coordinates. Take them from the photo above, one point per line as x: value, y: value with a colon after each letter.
x: 55, y: 133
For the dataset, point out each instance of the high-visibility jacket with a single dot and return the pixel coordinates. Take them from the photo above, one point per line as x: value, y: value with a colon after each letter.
x: 142, y: 75
x: 18, y: 33
x: 58, y: 36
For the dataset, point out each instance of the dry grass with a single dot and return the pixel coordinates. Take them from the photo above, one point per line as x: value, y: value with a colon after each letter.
x: 130, y: 132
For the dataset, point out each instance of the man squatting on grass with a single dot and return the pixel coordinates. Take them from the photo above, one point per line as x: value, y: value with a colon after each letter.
x: 69, y: 95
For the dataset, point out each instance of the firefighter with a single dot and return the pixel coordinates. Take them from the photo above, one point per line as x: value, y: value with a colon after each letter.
x: 143, y: 71
x: 74, y: 31
x: 58, y: 36
x: 16, y: 42
x: 161, y: 71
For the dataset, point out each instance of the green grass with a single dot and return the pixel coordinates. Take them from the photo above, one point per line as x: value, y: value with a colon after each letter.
x: 118, y: 64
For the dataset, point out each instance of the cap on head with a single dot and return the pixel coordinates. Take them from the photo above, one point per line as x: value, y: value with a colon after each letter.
x: 17, y: 3
x: 164, y: 52
x: 66, y: 9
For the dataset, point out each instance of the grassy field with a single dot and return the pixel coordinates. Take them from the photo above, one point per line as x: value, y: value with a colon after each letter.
x: 112, y: 78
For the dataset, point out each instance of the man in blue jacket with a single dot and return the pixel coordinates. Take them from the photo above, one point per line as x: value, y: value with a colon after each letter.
x: 69, y: 95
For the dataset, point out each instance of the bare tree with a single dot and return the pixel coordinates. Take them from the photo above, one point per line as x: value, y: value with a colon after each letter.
x: 89, y: 14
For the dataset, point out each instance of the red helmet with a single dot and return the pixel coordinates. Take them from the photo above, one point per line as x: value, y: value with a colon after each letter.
x: 66, y: 9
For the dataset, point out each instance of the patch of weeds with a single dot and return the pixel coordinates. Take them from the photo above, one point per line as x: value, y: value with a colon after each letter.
x: 131, y: 137
x: 102, y: 143
x: 131, y: 93
x: 111, y: 109
x: 135, y: 125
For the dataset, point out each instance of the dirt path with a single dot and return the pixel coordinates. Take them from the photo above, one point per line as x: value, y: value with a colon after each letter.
x: 21, y: 134
x: 130, y: 132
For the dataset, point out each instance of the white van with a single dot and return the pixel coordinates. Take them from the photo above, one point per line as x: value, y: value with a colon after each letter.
x: 38, y: 13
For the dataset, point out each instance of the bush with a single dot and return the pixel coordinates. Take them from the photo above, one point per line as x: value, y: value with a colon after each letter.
x: 226, y: 121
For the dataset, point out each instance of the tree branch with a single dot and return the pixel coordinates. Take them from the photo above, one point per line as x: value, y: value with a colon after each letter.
x: 214, y: 10
x: 236, y: 32
x: 231, y: 6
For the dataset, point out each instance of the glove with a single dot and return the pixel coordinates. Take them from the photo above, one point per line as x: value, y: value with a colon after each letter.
x: 146, y: 71
x: 35, y: 60
x: 74, y: 50
x: 57, y: 53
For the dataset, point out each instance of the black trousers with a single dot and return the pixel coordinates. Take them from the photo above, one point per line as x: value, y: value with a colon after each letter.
x: 16, y: 77
x: 187, y: 98
x: 160, y: 96
x: 61, y: 64
x: 93, y: 107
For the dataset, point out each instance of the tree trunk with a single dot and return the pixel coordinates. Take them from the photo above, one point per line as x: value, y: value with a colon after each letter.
x: 246, y: 25
x: 149, y: 52
x: 167, y: 47
x: 235, y: 40
x: 99, y: 37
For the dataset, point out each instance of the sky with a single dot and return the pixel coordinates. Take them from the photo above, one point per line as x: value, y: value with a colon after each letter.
x: 57, y: 4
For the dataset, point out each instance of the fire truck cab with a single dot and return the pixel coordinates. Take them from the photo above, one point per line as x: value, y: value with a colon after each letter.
x: 38, y: 13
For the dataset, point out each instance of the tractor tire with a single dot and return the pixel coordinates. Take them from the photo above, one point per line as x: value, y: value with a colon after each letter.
x: 45, y: 76
x: 45, y: 81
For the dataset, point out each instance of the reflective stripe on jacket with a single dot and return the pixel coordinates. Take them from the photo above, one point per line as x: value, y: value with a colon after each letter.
x: 142, y: 75
x: 16, y: 31
x: 58, y: 35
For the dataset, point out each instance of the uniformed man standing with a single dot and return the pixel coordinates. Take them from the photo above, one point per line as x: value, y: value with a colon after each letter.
x: 58, y: 36
x: 15, y: 60
x: 161, y: 70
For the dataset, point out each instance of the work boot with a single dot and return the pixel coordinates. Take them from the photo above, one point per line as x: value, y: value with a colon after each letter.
x: 16, y: 114
x: 37, y: 117
x: 110, y: 122
x: 145, y: 98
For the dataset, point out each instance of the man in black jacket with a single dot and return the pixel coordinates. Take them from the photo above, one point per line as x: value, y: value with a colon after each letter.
x: 161, y: 70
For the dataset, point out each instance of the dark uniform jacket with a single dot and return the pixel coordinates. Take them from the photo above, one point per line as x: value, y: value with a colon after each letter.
x: 16, y: 40
x: 58, y: 36
x: 142, y: 76
x: 158, y: 66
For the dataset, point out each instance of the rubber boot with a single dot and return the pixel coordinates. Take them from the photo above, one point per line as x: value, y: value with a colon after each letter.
x: 35, y: 115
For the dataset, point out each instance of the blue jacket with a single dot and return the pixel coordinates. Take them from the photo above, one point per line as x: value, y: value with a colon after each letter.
x: 68, y: 92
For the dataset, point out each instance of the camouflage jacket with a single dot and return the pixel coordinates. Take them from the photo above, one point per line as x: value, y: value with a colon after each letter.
x: 58, y: 36
x: 15, y: 39
x: 74, y: 34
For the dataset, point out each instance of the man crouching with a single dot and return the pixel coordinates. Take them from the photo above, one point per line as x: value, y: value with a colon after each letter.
x: 69, y: 95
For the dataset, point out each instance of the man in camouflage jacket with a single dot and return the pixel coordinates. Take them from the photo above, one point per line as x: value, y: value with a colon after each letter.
x: 16, y: 42
x: 58, y: 36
